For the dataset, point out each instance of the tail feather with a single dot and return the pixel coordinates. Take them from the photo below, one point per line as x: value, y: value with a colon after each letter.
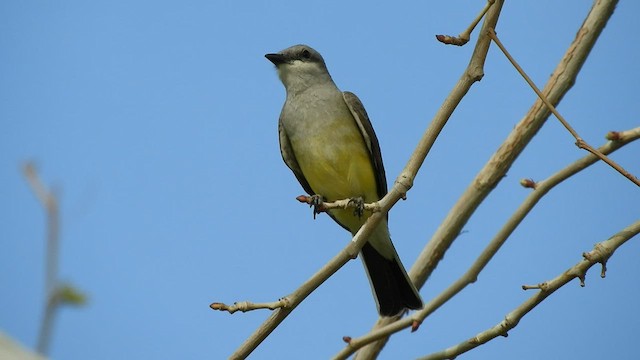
x: 391, y: 285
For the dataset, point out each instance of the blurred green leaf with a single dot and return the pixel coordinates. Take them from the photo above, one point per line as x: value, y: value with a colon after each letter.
x: 69, y: 295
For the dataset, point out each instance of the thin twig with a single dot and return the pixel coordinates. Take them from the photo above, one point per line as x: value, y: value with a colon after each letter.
x: 49, y: 202
x: 580, y: 143
x: 600, y: 254
x: 339, y: 204
x: 464, y: 36
x: 245, y: 306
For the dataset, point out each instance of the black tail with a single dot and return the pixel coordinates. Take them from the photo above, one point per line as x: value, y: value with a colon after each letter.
x: 391, y: 285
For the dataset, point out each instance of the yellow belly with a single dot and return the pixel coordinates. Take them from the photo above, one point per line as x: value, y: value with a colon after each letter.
x: 338, y: 166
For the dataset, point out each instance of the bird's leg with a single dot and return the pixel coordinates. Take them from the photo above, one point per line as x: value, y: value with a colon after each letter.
x: 358, y: 203
x: 318, y: 204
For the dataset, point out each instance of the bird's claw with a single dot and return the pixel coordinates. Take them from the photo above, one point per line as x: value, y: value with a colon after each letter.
x: 358, y: 203
x: 317, y: 202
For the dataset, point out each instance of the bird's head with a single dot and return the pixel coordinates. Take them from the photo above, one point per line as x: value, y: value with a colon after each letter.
x: 300, y: 67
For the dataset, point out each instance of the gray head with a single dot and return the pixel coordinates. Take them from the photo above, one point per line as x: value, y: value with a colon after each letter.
x: 300, y: 67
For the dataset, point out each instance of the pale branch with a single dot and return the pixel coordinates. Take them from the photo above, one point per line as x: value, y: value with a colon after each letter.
x: 49, y: 202
x: 579, y: 141
x: 292, y: 300
x: 617, y: 139
x: 339, y: 204
x: 401, y: 186
x: 541, y: 189
x: 473, y: 73
x: 600, y: 254
x: 496, y: 168
x: 398, y: 191
x: 245, y: 306
x: 56, y: 293
x: 46, y: 197
x: 464, y: 36
x: 622, y: 138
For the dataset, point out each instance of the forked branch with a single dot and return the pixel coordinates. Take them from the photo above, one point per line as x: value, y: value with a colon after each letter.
x: 599, y: 255
x: 579, y: 141
x: 542, y: 188
x: 496, y: 168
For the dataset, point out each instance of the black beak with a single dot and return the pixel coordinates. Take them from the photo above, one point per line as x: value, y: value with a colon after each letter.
x: 276, y: 59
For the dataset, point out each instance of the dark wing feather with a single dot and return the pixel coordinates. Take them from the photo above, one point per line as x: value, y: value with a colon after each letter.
x: 366, y: 129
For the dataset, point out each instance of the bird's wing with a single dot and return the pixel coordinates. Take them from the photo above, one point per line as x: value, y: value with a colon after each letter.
x: 366, y: 130
x: 290, y: 159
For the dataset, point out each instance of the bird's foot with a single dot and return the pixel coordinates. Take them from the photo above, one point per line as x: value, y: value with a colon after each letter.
x: 317, y: 202
x: 358, y: 203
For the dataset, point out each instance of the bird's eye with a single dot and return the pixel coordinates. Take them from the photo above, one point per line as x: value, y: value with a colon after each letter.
x: 306, y: 54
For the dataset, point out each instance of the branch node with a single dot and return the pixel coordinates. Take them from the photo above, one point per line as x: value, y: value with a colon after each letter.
x: 453, y: 40
x: 404, y: 182
x: 464, y: 36
x: 217, y: 306
x: 320, y: 206
x: 613, y: 136
x: 245, y: 306
x: 347, y: 339
x: 507, y: 324
x: 581, y: 143
x: 415, y: 325
x: 542, y: 287
x: 603, y: 271
x: 599, y: 254
x: 528, y: 183
x: 304, y: 199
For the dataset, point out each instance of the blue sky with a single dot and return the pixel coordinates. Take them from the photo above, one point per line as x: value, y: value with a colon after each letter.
x: 156, y: 120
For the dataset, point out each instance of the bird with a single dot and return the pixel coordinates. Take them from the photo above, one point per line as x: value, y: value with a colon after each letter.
x: 327, y: 140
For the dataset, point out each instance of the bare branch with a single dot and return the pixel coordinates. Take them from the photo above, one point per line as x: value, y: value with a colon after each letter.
x: 495, y: 169
x: 49, y: 202
x: 464, y: 36
x: 473, y: 73
x: 600, y: 254
x: 542, y: 188
x: 402, y: 184
x: 579, y: 141
x: 245, y: 306
x: 338, y: 204
x: 57, y: 294
x: 295, y: 298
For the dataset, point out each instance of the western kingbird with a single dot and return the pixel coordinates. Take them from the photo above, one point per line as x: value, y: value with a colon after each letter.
x: 328, y: 142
